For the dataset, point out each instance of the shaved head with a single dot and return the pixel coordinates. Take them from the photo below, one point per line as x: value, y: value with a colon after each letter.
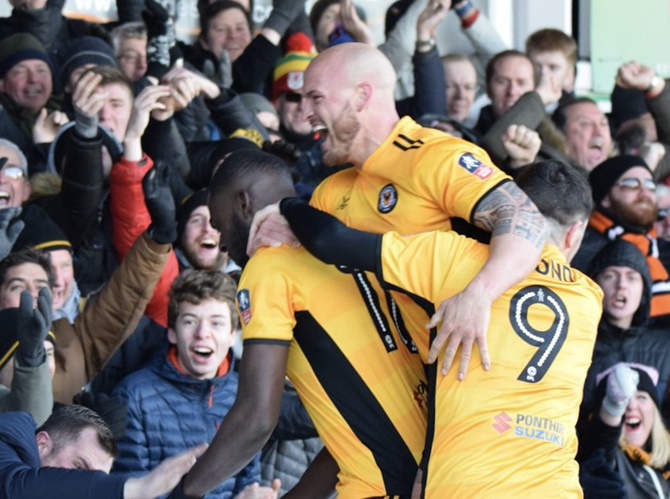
x: 348, y: 97
x: 353, y: 63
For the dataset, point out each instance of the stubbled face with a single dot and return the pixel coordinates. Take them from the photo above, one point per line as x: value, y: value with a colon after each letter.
x: 233, y: 229
x: 587, y: 134
x: 639, y: 419
x: 200, y: 242
x: 229, y: 31
x: 26, y: 276
x: 14, y: 190
x: 29, y: 84
x: 328, y: 109
x: 557, y: 65
x: 634, y: 204
x: 203, y: 335
x: 132, y: 57
x: 116, y: 111
x: 84, y: 453
x: 290, y: 115
x: 512, y: 77
x: 63, y: 272
x: 623, y: 288
x: 461, y: 80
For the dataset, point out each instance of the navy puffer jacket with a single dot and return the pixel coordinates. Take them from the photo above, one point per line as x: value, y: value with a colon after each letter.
x: 169, y: 413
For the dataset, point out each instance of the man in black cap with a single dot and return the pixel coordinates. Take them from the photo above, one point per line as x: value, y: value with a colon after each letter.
x: 623, y: 191
x: 26, y: 87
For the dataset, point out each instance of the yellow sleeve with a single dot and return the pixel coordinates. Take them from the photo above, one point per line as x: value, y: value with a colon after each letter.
x: 433, y: 265
x: 264, y: 299
x: 456, y: 177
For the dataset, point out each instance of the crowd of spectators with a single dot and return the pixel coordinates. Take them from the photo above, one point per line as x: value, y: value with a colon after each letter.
x: 117, y: 293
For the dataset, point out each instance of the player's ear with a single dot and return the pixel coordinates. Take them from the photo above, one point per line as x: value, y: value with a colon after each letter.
x: 363, y: 96
x: 574, y: 236
x: 244, y: 205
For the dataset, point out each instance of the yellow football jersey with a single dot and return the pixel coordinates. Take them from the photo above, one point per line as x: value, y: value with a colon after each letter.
x: 416, y: 181
x: 362, y: 383
x: 509, y: 432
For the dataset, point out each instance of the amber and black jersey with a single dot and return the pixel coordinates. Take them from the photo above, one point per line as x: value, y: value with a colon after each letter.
x: 356, y: 371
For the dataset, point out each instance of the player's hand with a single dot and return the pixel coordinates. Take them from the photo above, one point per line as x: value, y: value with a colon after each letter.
x: 464, y: 320
x: 164, y: 477
x: 269, y: 228
x: 254, y: 491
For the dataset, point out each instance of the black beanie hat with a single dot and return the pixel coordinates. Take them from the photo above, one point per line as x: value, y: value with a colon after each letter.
x: 623, y: 254
x: 9, y: 337
x: 40, y: 233
x: 18, y: 48
x: 606, y: 174
x: 86, y: 50
x: 190, y: 203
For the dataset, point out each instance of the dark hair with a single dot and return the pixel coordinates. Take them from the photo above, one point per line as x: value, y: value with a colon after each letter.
x: 194, y: 286
x: 491, y: 65
x: 560, y: 115
x: 67, y: 422
x: 560, y: 191
x: 17, y: 258
x: 210, y: 11
x: 246, y: 164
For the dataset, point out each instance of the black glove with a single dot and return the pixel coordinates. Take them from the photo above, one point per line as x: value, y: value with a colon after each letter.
x: 32, y: 327
x: 160, y: 38
x: 160, y: 203
x: 113, y: 410
x: 283, y: 13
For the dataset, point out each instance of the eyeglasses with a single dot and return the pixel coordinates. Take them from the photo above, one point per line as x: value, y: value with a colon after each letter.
x: 12, y: 172
x: 662, y: 214
x: 292, y: 97
x: 634, y: 184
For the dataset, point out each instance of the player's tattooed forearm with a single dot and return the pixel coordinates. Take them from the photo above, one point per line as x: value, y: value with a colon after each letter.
x: 507, y: 210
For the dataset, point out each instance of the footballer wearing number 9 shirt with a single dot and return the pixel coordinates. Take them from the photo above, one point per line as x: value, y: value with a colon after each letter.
x: 412, y: 179
x: 509, y: 432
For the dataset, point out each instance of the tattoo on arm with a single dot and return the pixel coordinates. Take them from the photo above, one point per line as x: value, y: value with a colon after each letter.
x: 508, y: 210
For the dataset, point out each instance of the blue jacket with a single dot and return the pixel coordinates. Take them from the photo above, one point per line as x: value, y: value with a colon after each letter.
x: 21, y: 475
x: 169, y: 413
